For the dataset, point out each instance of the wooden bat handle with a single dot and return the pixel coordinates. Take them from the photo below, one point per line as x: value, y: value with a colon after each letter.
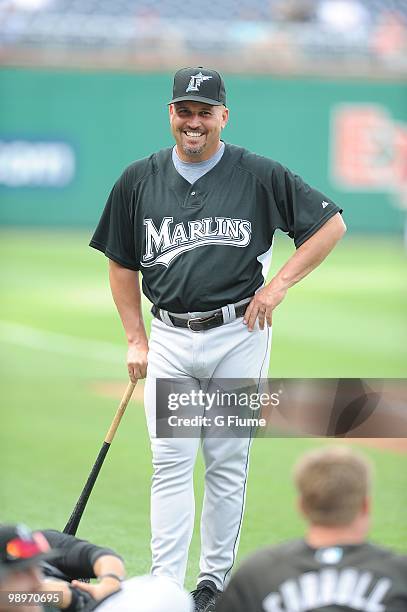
x: 120, y: 411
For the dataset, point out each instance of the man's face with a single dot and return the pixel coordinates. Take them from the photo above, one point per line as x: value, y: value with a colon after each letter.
x: 28, y: 580
x: 196, y: 128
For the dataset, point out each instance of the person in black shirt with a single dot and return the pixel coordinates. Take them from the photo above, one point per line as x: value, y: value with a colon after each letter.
x: 49, y: 561
x: 333, y: 568
x: 46, y: 564
x: 197, y: 221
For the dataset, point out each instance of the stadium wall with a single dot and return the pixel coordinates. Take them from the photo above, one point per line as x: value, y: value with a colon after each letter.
x: 65, y: 137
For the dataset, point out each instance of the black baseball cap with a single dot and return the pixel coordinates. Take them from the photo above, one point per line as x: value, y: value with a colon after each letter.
x: 199, y: 85
x: 21, y: 548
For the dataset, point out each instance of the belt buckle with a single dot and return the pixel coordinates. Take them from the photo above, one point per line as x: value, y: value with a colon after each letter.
x: 198, y: 320
x: 194, y: 320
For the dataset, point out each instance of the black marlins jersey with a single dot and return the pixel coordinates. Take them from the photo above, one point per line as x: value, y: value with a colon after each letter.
x: 294, y: 577
x: 202, y: 246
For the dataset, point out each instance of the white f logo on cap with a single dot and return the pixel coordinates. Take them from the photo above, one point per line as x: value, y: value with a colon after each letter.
x: 196, y: 81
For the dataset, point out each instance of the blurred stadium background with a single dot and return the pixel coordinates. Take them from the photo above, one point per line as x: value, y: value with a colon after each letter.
x: 319, y: 85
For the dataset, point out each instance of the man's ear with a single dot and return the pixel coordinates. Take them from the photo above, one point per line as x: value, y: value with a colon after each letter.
x: 366, y: 505
x: 171, y: 110
x: 225, y: 116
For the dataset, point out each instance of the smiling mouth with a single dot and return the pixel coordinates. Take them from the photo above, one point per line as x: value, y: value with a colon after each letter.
x: 193, y: 134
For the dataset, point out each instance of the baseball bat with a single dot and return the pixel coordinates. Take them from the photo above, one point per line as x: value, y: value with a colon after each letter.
x: 74, y: 520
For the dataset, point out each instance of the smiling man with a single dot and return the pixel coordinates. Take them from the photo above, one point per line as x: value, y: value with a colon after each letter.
x: 197, y: 221
x: 196, y: 127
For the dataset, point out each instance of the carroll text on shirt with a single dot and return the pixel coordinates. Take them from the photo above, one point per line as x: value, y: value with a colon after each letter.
x: 163, y: 245
x: 349, y: 587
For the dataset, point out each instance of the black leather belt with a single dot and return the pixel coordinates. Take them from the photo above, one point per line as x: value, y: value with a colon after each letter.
x: 198, y: 324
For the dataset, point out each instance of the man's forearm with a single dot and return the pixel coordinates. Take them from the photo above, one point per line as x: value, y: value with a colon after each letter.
x: 126, y: 293
x: 307, y: 257
x: 125, y: 287
x: 310, y: 254
x: 110, y: 572
x: 109, y: 564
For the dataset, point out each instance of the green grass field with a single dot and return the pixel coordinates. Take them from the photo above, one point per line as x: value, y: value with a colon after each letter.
x: 61, y: 337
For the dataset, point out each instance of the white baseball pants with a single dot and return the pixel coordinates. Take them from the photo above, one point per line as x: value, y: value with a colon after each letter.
x: 228, y: 351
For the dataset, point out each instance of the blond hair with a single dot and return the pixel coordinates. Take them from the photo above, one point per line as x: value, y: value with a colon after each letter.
x: 333, y: 483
